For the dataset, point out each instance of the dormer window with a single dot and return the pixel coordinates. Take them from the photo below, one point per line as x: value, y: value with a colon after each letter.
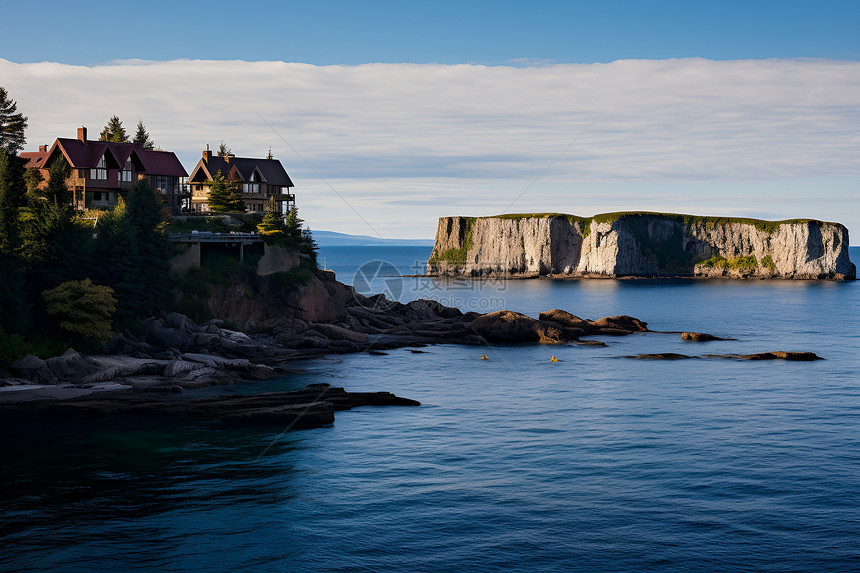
x: 100, y: 172
x: 253, y: 186
x: 125, y: 174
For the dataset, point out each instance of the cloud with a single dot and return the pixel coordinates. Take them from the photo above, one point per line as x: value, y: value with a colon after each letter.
x: 396, y: 137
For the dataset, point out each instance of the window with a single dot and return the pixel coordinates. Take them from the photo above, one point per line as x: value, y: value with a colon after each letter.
x: 100, y: 172
x: 251, y: 188
x: 125, y: 174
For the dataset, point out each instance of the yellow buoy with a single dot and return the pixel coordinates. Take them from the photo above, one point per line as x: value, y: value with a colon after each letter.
x: 484, y: 356
x: 553, y: 359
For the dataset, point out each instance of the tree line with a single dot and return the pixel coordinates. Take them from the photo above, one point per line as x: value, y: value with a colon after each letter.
x: 70, y: 278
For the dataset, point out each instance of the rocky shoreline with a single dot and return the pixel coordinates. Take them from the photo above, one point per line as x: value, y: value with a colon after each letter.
x: 151, y: 369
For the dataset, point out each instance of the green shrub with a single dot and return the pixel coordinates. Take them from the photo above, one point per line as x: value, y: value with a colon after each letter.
x: 744, y: 263
x: 767, y: 262
x: 739, y: 264
x: 715, y: 262
x: 83, y: 311
x: 291, y: 280
x: 14, y: 346
x: 458, y: 256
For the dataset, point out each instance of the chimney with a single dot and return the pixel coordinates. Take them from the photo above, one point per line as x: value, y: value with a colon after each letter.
x: 82, y: 134
x: 207, y: 154
x: 43, y: 149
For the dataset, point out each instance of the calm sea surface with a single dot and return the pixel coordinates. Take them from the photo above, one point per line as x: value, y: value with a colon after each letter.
x: 593, y: 463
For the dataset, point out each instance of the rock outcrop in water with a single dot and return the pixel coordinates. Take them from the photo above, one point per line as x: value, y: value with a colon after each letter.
x: 310, y: 407
x: 640, y: 244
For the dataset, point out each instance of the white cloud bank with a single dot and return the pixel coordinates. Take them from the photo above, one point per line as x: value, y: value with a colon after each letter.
x: 407, y: 143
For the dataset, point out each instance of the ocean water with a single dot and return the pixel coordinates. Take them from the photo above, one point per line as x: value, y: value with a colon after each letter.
x: 593, y: 463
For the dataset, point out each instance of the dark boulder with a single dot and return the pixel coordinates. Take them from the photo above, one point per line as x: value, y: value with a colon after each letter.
x: 564, y: 318
x: 509, y: 326
x: 33, y: 368
x: 621, y: 322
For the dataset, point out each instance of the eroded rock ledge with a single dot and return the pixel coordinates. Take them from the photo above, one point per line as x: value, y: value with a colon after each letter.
x: 311, y: 407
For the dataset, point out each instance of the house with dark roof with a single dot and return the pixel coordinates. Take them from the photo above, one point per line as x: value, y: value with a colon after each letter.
x: 265, y: 183
x: 103, y: 171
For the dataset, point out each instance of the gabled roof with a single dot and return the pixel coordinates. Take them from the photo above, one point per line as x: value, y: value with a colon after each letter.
x: 86, y: 155
x: 161, y: 163
x: 271, y: 171
x: 35, y: 159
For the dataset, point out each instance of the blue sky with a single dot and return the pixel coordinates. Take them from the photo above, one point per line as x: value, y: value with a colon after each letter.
x: 451, y: 32
x: 389, y: 115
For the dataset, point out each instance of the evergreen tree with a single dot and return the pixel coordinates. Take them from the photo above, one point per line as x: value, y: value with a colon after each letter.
x: 225, y: 196
x: 53, y: 234
x: 272, y: 228
x: 114, y: 131
x: 33, y: 178
x: 15, y: 309
x: 223, y: 150
x: 294, y: 223
x: 13, y: 193
x: 12, y: 125
x: 141, y: 136
x: 308, y: 245
x: 217, y: 193
x: 135, y: 256
x: 57, y: 191
x: 235, y: 203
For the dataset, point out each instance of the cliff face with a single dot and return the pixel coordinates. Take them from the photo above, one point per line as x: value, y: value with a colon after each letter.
x: 640, y: 244
x: 264, y: 305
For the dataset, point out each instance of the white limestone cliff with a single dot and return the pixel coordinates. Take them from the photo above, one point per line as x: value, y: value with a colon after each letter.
x: 640, y: 244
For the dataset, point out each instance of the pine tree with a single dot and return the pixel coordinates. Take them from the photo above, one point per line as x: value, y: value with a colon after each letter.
x: 223, y: 150
x: 271, y: 228
x: 15, y: 310
x: 294, y: 223
x: 33, y: 178
x: 114, y: 131
x: 134, y: 256
x: 52, y: 235
x: 13, y: 192
x: 141, y: 136
x: 218, y: 196
x: 151, y: 258
x: 12, y: 125
x: 235, y: 203
x: 57, y: 191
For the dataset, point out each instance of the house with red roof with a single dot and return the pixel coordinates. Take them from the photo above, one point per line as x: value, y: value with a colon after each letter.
x: 103, y: 171
x: 265, y: 183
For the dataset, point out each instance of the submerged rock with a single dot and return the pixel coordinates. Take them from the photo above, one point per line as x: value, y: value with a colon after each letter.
x: 662, y: 356
x: 701, y: 337
x: 777, y: 355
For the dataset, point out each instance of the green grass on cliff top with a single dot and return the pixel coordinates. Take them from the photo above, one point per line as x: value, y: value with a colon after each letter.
x: 760, y: 224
